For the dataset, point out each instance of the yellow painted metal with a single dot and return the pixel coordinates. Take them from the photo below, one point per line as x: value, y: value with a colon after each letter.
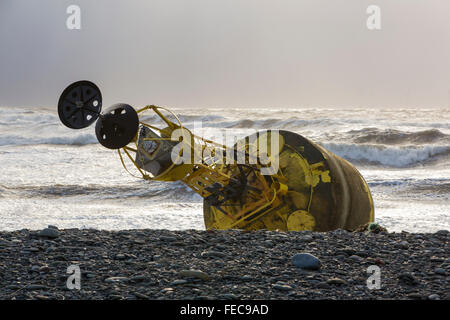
x: 300, y: 220
x: 316, y: 195
x: 312, y: 189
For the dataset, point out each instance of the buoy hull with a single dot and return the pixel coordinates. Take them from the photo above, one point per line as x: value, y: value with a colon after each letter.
x: 324, y: 192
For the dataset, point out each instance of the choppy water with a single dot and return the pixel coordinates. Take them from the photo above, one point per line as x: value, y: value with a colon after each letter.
x: 53, y: 175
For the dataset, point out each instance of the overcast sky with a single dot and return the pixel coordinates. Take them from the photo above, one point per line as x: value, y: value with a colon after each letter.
x: 228, y: 53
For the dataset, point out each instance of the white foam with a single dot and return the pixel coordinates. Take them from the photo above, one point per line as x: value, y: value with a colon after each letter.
x: 387, y: 155
x: 74, y: 139
x: 44, y: 182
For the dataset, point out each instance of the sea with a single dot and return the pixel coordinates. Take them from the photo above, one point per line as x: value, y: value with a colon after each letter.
x: 52, y: 175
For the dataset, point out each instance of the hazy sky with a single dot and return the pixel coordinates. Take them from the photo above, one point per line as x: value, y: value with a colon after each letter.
x: 228, y: 53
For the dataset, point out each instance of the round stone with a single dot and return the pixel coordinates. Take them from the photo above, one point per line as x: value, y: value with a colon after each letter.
x: 306, y: 261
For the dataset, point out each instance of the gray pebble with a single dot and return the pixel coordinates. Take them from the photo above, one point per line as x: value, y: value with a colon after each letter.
x: 194, y: 274
x: 440, y: 271
x: 116, y: 279
x: 49, y: 233
x: 336, y: 281
x: 282, y: 287
x: 306, y: 261
x: 356, y: 258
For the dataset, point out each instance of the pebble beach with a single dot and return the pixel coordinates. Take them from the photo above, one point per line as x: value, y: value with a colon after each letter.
x: 225, y: 265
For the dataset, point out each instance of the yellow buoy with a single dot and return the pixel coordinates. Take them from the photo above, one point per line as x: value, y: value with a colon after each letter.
x: 273, y: 179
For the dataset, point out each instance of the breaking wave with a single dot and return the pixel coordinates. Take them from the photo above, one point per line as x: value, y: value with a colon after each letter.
x: 392, y: 136
x: 390, y: 156
x: 75, y: 140
x: 155, y: 191
x: 349, y: 138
